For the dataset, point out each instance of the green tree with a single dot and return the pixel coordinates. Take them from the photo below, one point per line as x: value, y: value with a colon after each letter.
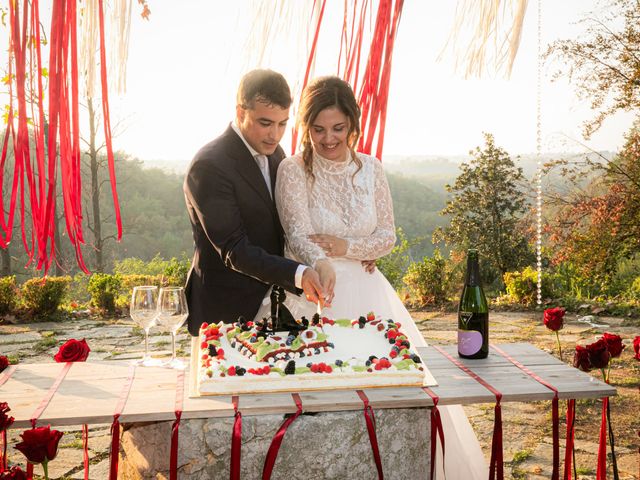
x: 604, y: 63
x: 486, y: 207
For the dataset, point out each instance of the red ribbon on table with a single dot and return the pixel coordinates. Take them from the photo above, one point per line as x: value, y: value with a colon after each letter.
x: 371, y: 428
x: 568, y: 452
x: 50, y: 393
x: 555, y: 475
x: 272, y: 453
x: 115, y: 426
x: 236, y: 441
x: 496, y: 466
x: 173, y: 460
x: 436, y: 429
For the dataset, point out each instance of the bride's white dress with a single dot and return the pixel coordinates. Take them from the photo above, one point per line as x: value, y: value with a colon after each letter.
x: 356, y: 205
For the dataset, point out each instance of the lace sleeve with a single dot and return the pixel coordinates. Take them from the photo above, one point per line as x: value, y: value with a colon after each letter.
x: 291, y: 200
x: 383, y: 238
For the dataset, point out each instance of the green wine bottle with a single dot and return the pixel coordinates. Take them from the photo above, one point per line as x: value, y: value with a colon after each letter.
x: 473, y: 313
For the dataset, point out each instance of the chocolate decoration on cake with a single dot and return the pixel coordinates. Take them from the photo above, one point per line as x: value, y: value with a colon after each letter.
x: 281, y: 318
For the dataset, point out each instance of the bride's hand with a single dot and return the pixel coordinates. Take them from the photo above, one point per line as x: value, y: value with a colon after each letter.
x: 332, y: 246
x: 327, y: 279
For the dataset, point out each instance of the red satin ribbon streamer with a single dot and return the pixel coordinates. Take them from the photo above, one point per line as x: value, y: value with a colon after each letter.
x: 29, y: 471
x: 496, y: 466
x: 173, y: 461
x: 568, y: 452
x: 601, y: 468
x: 555, y: 475
x: 310, y: 61
x: 436, y: 429
x: 85, y: 448
x: 272, y: 453
x: 3, y: 460
x: 236, y: 441
x: 371, y: 428
x: 50, y: 393
x: 115, y: 426
x: 6, y: 375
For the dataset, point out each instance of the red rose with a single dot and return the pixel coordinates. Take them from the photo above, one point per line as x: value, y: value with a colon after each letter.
x: 553, y: 318
x: 73, y: 351
x: 5, y: 420
x: 581, y: 359
x: 614, y: 344
x: 636, y: 347
x: 4, y: 362
x: 39, y: 444
x: 599, y: 354
x: 14, y: 473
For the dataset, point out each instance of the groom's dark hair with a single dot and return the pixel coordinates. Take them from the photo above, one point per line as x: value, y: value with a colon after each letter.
x: 264, y: 86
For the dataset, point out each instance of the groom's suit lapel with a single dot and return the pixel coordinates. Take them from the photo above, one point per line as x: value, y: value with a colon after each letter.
x: 248, y: 169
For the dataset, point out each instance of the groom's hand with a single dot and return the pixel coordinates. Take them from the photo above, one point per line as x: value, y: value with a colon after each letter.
x: 327, y: 278
x: 312, y: 286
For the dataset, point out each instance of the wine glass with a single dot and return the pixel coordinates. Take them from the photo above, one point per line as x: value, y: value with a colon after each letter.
x: 173, y: 311
x: 144, y: 312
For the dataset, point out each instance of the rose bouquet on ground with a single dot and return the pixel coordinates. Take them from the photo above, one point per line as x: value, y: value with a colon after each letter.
x: 553, y: 319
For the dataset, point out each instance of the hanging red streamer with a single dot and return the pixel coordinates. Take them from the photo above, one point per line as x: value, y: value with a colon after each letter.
x: 173, y: 460
x: 272, y: 453
x: 236, y: 441
x: 85, y: 450
x: 36, y: 173
x: 370, y: 419
x: 372, y: 83
x: 437, y: 431
x: 569, y: 439
x: 601, y: 466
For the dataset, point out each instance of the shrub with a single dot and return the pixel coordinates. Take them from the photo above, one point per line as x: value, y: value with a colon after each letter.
x: 633, y: 293
x: 8, y: 294
x: 176, y: 271
x: 43, y: 296
x: 129, y: 281
x: 427, y: 280
x: 522, y: 287
x: 104, y: 289
x: 394, y: 265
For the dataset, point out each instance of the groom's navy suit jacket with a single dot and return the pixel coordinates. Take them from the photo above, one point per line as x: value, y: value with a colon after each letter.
x: 238, y: 239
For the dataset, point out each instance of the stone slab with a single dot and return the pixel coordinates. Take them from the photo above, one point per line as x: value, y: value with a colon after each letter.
x: 320, y: 446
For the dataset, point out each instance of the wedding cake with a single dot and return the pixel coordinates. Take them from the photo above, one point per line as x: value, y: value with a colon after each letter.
x: 316, y: 354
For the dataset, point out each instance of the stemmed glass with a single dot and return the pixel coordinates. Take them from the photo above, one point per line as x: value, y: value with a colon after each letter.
x: 173, y: 311
x: 144, y: 312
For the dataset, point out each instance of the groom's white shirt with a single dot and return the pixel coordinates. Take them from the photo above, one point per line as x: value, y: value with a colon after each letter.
x: 264, y: 168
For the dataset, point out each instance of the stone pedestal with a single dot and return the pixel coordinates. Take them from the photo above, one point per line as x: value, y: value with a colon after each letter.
x: 328, y: 445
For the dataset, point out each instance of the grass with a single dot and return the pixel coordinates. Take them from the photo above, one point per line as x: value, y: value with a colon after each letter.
x: 45, y: 344
x: 520, y: 456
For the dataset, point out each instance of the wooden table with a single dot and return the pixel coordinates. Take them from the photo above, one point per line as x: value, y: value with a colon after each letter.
x: 90, y: 391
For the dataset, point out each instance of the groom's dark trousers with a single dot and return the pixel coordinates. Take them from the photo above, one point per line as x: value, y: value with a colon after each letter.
x: 238, y: 239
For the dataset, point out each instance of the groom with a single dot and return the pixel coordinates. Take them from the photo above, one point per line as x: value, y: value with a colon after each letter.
x: 229, y: 188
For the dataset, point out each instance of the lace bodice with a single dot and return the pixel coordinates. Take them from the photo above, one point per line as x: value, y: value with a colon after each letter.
x: 356, y: 208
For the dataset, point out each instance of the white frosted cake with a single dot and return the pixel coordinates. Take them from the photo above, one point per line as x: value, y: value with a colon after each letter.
x: 326, y: 354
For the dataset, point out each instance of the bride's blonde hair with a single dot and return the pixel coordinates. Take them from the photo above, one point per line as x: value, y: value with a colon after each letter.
x: 322, y: 93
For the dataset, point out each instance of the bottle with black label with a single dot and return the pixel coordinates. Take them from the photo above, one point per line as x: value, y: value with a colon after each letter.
x: 473, y: 313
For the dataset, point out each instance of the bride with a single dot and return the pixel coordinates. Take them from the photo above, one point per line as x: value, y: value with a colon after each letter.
x: 336, y: 211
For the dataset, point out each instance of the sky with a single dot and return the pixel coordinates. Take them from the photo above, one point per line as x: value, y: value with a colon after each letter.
x: 185, y: 63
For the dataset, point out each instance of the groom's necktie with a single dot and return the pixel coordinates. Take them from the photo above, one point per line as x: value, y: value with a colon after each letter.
x: 263, y: 163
